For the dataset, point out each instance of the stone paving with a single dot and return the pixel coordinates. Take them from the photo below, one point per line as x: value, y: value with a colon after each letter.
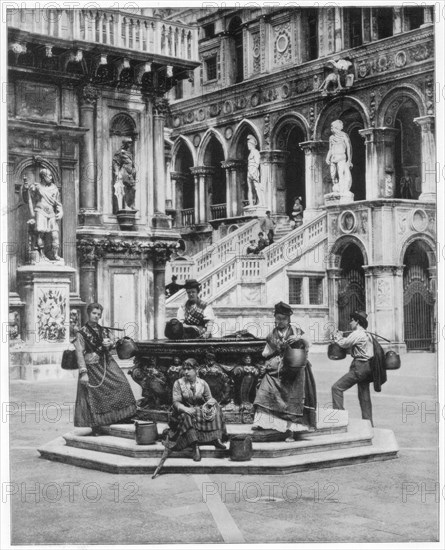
x: 395, y: 501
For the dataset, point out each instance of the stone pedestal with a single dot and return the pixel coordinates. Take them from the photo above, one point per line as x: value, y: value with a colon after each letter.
x: 337, y: 198
x: 45, y: 289
x: 254, y: 211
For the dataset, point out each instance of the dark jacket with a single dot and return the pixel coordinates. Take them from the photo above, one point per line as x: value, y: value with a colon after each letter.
x: 378, y: 365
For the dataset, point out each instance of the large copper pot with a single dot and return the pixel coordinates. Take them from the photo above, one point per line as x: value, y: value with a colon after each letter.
x: 335, y: 352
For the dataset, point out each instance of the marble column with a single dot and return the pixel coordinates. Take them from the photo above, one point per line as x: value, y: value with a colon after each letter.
x: 88, y: 176
x: 428, y: 18
x: 273, y: 179
x: 315, y: 171
x: 160, y: 106
x: 233, y: 168
x: 334, y: 276
x: 398, y: 21
x: 178, y: 180
x: 429, y: 166
x: 203, y: 188
x: 366, y: 25
x: 159, y: 294
x: 380, y: 170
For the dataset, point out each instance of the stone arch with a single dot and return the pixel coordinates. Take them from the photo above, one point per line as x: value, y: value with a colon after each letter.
x: 211, y: 132
x: 340, y: 245
x: 425, y: 241
x: 290, y: 118
x: 185, y: 141
x: 333, y: 110
x: 393, y: 101
x: 243, y: 128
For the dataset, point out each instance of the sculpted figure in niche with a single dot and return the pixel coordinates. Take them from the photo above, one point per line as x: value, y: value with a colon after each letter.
x: 254, y: 186
x: 339, y: 159
x: 124, y: 173
x: 45, y: 209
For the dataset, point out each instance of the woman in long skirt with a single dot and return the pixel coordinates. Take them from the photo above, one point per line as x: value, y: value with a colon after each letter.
x: 104, y: 395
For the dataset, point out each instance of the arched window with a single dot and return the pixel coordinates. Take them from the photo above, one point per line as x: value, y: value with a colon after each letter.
x: 236, y: 33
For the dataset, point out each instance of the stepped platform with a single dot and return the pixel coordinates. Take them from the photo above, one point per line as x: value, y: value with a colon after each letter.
x: 333, y: 444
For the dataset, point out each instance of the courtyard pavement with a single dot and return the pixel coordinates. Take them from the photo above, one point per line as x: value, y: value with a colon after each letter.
x: 395, y: 501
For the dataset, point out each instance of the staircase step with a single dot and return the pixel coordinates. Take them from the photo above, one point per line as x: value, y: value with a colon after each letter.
x: 359, y: 434
x: 384, y: 447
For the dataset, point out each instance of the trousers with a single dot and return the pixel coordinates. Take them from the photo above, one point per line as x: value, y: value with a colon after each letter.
x: 360, y: 373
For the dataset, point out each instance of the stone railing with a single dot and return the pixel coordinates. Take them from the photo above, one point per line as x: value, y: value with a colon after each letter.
x: 218, y: 211
x: 222, y: 268
x: 127, y: 31
x: 187, y: 217
x: 294, y: 244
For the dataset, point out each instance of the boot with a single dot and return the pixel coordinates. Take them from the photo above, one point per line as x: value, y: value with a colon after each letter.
x: 219, y: 444
x: 196, y: 454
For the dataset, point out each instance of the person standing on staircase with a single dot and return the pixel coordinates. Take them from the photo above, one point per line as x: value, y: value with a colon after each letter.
x: 268, y: 227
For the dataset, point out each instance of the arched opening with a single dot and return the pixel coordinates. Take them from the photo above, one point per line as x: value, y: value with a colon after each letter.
x: 418, y: 300
x: 288, y: 139
x: 216, y: 181
x: 351, y: 290
x: 236, y: 55
x: 185, y: 188
x: 242, y: 154
x: 407, y: 152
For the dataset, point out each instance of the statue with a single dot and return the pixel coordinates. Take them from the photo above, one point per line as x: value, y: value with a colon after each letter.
x: 339, y: 78
x: 124, y: 172
x: 339, y: 159
x: 253, y: 173
x: 45, y: 208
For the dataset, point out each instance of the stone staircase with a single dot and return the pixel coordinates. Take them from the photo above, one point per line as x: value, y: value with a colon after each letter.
x: 282, y: 229
x: 336, y: 442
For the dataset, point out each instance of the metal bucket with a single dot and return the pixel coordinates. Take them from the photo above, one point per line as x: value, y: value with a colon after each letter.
x: 335, y: 352
x: 241, y: 448
x: 126, y: 348
x: 295, y: 358
x: 146, y: 432
x: 392, y: 360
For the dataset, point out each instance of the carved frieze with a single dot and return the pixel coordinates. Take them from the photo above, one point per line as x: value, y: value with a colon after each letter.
x: 92, y: 249
x: 384, y: 294
x: 282, y: 44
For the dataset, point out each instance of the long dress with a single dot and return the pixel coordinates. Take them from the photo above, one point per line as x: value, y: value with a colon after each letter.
x: 286, y: 398
x: 107, y: 398
x: 186, y: 430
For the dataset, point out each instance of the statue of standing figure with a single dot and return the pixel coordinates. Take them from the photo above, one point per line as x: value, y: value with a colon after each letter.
x: 339, y: 159
x: 45, y: 208
x: 254, y: 186
x: 124, y: 172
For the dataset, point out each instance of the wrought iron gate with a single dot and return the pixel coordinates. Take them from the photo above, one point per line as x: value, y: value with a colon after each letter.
x: 351, y: 296
x: 418, y: 309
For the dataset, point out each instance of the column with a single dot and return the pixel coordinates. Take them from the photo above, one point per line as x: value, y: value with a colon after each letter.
x: 338, y: 29
x: 159, y: 293
x: 366, y: 25
x: 428, y: 16
x: 380, y: 171
x: 160, y: 107
x: 315, y: 156
x: 398, y: 20
x: 203, y: 192
x: 429, y: 165
x: 178, y: 179
x: 334, y: 276
x: 233, y: 168
x: 88, y: 182
x: 273, y: 180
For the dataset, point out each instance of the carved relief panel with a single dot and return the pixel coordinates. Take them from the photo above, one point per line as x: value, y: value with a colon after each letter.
x: 37, y: 101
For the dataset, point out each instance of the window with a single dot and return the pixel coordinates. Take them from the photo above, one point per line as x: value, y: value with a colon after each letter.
x: 312, y: 30
x: 209, y: 30
x: 316, y: 291
x: 237, y: 49
x: 413, y: 18
x: 296, y: 290
x: 354, y: 21
x: 211, y: 68
x: 384, y: 22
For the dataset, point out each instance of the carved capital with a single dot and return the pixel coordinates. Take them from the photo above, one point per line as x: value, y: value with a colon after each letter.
x: 232, y: 164
x: 202, y: 170
x: 426, y: 123
x: 161, y: 106
x: 314, y: 147
x: 274, y: 157
x: 89, y: 95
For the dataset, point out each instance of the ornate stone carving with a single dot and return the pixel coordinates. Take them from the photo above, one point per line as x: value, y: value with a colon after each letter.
x: 340, y: 78
x: 372, y: 108
x: 37, y: 101
x: 384, y: 298
x: 51, y: 315
x: 92, y: 249
x: 161, y: 106
x: 89, y: 95
x: 256, y: 53
x: 266, y: 131
x: 282, y: 44
x: 348, y: 222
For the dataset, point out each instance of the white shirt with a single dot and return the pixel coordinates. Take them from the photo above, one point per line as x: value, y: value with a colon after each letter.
x: 208, y: 314
x: 360, y: 343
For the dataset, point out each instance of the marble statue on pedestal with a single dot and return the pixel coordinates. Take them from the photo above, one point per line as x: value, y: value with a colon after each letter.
x: 124, y: 173
x: 254, y: 186
x: 339, y: 159
x: 45, y: 209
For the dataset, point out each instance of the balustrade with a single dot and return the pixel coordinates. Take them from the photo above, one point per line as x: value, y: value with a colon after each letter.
x: 188, y: 217
x: 127, y: 31
x: 218, y: 211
